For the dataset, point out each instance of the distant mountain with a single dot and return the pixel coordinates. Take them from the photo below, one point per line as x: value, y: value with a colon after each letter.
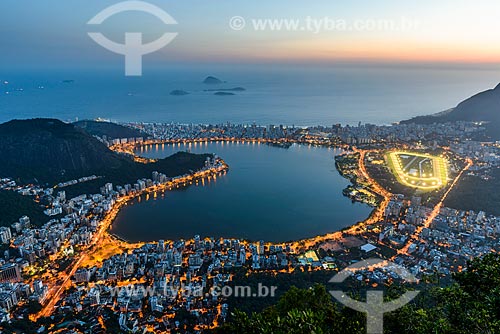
x: 50, y: 151
x: 484, y: 106
x: 210, y: 80
x: 108, y: 129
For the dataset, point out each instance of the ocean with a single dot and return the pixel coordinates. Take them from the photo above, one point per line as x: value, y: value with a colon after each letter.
x: 289, y: 95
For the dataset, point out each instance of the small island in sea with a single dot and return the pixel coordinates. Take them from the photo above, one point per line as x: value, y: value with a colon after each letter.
x: 178, y: 92
x: 223, y: 93
x: 235, y: 89
x: 211, y: 80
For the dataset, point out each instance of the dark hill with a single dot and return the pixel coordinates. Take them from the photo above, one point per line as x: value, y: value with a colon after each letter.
x: 484, y: 106
x: 108, y: 129
x: 14, y: 205
x: 50, y: 151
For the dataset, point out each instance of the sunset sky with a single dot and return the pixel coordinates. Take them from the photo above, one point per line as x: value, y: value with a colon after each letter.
x: 54, y: 32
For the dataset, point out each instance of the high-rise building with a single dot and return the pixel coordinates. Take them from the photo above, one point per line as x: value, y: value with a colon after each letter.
x: 5, y: 235
x: 261, y: 247
x: 108, y: 187
x: 82, y: 275
x: 195, y: 261
x: 24, y: 221
x: 10, y: 273
x: 160, y: 248
x: 94, y: 296
x: 196, y: 242
x: 155, y: 176
x: 243, y: 255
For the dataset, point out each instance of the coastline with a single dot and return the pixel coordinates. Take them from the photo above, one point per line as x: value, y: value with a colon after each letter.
x: 283, y: 143
x: 129, y: 148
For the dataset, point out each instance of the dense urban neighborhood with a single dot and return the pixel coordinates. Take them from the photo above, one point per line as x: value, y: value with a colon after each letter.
x: 71, y: 271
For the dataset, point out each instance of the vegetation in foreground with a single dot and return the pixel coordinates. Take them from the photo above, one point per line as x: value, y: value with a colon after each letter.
x: 470, y: 304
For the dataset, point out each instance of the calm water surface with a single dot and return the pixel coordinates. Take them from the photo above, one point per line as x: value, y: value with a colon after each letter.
x: 290, y: 95
x: 269, y: 193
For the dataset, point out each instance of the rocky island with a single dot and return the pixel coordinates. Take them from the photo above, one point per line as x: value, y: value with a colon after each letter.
x: 178, y: 92
x: 210, y: 80
x: 235, y: 89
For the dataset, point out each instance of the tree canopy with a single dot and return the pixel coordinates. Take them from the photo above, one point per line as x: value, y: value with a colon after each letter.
x: 469, y: 304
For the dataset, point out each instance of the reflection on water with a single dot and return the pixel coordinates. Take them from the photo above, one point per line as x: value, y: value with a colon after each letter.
x: 268, y: 193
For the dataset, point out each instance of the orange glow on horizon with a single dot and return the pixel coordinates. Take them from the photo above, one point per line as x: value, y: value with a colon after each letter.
x: 377, y: 51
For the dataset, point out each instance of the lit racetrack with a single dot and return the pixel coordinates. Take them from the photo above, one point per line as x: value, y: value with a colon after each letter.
x: 416, y: 170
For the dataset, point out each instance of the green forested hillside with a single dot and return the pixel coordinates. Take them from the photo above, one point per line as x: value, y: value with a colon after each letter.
x: 14, y: 205
x: 467, y: 305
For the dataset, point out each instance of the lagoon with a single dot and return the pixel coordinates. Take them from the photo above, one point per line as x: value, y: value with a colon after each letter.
x: 269, y: 193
